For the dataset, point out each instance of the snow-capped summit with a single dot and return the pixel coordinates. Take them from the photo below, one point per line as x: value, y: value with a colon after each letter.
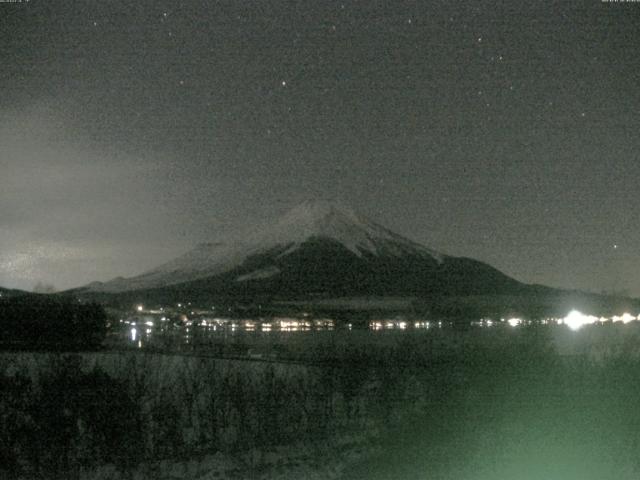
x: 329, y: 220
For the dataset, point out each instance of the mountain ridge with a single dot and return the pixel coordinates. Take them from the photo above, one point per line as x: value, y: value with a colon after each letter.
x: 309, y: 220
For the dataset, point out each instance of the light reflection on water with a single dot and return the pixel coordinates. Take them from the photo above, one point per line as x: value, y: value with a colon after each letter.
x: 198, y: 331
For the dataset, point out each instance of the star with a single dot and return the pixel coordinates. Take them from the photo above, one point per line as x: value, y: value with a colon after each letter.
x: 283, y: 83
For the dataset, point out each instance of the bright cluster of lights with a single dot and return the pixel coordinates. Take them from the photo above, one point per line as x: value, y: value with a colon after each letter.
x: 292, y: 325
x: 575, y: 319
x: 514, y: 322
x: 393, y: 324
x: 625, y: 318
x: 323, y: 323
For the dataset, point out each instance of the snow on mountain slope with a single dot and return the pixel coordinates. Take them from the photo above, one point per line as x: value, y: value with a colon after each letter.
x: 328, y: 220
x: 204, y: 260
x: 259, y: 274
x: 309, y: 220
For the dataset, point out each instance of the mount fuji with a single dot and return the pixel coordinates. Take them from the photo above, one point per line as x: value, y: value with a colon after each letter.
x: 318, y: 249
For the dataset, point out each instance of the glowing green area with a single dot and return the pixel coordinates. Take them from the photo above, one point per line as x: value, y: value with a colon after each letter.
x: 519, y: 417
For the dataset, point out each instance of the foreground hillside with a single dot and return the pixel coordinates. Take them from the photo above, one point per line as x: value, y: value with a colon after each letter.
x: 503, y: 404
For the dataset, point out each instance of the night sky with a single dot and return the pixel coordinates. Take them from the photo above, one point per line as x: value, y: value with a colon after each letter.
x: 503, y: 131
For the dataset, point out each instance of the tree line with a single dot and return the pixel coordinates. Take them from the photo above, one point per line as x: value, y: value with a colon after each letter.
x: 51, y: 322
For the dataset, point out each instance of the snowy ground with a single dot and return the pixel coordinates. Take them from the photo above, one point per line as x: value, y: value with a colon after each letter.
x: 291, y: 462
x: 180, y: 386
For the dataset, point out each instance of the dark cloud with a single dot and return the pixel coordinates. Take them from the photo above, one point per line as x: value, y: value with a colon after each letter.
x: 131, y: 131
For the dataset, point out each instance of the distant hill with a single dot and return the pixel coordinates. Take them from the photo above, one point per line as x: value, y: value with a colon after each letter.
x: 8, y: 293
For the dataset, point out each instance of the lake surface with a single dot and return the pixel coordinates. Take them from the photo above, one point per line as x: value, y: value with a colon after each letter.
x: 277, y: 337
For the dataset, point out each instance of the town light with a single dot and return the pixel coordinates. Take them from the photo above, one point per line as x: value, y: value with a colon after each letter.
x: 514, y: 322
x: 575, y: 319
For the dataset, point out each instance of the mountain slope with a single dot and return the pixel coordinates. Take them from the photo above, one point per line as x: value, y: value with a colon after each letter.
x: 317, y: 249
x: 325, y: 268
x: 204, y: 260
